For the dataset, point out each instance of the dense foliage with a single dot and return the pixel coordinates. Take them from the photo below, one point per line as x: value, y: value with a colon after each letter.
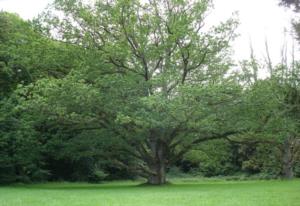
x: 127, y: 88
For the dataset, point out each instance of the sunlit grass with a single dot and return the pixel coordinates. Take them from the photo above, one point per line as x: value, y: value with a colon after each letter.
x: 179, y: 193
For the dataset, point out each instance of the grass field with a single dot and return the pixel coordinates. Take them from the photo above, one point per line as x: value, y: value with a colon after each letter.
x: 179, y: 193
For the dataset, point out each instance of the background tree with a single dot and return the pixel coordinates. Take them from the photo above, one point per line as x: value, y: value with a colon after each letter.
x: 25, y: 56
x: 274, y: 101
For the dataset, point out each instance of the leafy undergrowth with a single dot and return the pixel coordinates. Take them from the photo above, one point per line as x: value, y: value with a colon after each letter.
x: 181, y: 192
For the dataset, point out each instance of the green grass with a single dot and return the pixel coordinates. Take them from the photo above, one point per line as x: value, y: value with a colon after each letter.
x: 179, y: 193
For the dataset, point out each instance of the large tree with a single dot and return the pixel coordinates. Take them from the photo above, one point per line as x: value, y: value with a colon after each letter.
x: 155, y: 75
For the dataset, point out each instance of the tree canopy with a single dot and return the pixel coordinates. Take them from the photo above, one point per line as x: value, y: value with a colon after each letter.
x: 116, y: 89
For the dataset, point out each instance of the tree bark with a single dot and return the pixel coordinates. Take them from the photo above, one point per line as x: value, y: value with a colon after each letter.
x: 159, y: 178
x: 158, y: 164
x: 287, y: 160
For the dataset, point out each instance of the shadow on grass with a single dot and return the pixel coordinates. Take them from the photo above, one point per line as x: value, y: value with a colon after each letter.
x: 75, y: 186
x: 103, y: 186
x: 128, y: 185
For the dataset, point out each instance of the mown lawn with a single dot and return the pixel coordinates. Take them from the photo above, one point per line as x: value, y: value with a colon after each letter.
x: 179, y: 193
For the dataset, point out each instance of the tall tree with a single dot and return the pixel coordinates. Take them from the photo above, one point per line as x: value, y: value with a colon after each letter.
x: 155, y: 76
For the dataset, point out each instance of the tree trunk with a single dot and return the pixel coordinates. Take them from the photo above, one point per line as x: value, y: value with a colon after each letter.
x: 158, y: 165
x: 159, y: 178
x: 287, y: 160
